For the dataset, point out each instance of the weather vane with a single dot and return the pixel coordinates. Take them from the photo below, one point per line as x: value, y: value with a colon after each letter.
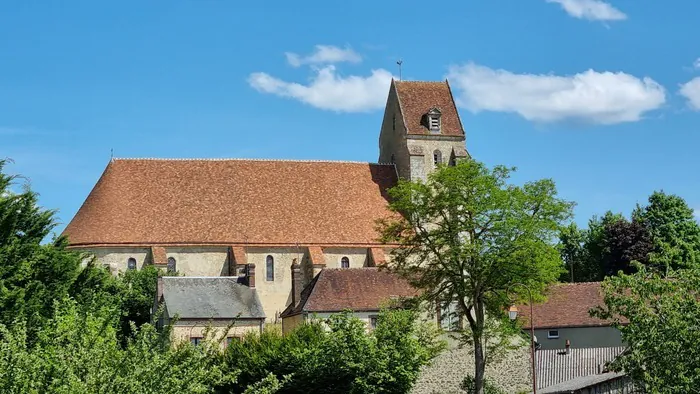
x: 399, y: 62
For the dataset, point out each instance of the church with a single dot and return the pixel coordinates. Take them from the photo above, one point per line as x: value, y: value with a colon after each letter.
x: 255, y: 219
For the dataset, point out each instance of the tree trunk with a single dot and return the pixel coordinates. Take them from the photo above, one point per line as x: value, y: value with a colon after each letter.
x: 477, y: 326
x: 479, y: 366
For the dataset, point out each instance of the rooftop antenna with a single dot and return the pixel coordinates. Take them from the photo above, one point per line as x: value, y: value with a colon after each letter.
x: 399, y: 62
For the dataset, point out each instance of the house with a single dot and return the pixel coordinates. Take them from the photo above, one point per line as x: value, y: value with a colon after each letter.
x: 364, y: 291
x: 222, y: 217
x: 564, y: 318
x: 224, y: 306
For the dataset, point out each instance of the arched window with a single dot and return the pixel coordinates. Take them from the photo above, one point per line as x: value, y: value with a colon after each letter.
x: 131, y: 264
x: 270, y: 268
x: 345, y: 262
x: 437, y: 157
x: 172, y: 264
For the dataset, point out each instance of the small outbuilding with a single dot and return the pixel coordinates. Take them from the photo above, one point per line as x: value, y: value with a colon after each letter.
x: 196, y: 303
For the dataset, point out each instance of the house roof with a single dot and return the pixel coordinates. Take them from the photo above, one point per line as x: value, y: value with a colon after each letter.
x: 555, y: 366
x: 189, y: 202
x: 357, y: 289
x: 417, y: 98
x: 567, y: 305
x: 210, y: 298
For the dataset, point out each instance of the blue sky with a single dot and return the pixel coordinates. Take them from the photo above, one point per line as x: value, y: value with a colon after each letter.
x: 600, y: 96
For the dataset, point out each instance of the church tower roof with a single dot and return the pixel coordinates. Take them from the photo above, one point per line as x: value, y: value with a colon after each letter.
x: 418, y: 98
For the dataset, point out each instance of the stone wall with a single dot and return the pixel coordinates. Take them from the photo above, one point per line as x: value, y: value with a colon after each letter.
x: 445, y: 374
x: 357, y: 257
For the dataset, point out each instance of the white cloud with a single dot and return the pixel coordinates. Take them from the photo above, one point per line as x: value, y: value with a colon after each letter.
x: 591, y: 96
x: 696, y: 64
x: 691, y: 91
x: 330, y: 91
x: 324, y: 54
x: 595, y: 10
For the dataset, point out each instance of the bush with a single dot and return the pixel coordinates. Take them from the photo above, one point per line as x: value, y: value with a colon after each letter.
x: 338, y: 357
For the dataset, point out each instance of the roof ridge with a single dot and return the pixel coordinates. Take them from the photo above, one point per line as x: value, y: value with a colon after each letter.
x: 244, y: 159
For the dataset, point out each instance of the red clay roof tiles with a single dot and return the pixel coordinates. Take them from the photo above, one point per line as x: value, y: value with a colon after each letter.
x: 357, y: 289
x: 416, y: 98
x: 567, y: 305
x: 229, y: 202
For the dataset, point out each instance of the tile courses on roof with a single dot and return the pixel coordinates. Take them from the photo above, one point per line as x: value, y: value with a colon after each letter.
x: 210, y: 298
x: 555, y: 366
x: 357, y: 289
x: 416, y: 98
x: 567, y: 305
x: 146, y: 202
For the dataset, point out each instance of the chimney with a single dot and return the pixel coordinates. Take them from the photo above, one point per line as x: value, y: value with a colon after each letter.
x: 159, y: 289
x: 251, y: 276
x: 568, y: 346
x: 296, y: 282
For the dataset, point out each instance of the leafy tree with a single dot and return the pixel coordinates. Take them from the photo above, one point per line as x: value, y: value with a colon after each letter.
x: 468, y: 236
x: 658, y: 317
x: 572, y: 248
x: 31, y: 273
x: 627, y: 241
x: 674, y: 231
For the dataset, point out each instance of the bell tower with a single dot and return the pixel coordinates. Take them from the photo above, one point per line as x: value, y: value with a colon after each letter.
x: 421, y: 128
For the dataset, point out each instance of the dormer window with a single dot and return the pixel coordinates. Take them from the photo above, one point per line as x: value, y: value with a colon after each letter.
x: 433, y: 118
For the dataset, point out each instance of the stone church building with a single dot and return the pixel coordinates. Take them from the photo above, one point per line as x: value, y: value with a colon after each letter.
x: 253, y: 219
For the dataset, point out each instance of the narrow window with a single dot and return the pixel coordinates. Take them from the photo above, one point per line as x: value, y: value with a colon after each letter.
x: 437, y: 158
x: 172, y: 264
x: 373, y: 321
x: 553, y: 334
x: 449, y: 317
x: 393, y: 123
x: 453, y: 161
x: 270, y: 268
x: 345, y: 262
x: 131, y: 264
x: 393, y: 159
x: 195, y: 340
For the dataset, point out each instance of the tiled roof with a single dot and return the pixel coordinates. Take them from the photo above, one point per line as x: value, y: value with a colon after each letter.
x: 555, y: 366
x: 417, y: 98
x: 210, y: 298
x: 357, y: 289
x: 229, y: 202
x: 567, y: 305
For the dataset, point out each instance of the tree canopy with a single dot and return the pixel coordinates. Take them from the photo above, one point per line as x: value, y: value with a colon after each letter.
x: 658, y: 316
x: 468, y: 236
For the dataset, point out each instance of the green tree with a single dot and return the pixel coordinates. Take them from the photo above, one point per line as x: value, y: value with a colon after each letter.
x: 674, y: 231
x: 31, y: 273
x: 658, y: 317
x: 467, y: 236
x: 572, y: 248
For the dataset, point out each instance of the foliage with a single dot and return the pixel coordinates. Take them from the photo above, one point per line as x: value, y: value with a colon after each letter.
x: 468, y: 236
x: 337, y: 355
x: 78, y: 352
x: 269, y: 385
x: 468, y: 385
x: 664, y: 233
x: 30, y: 273
x: 663, y: 316
x: 674, y: 231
